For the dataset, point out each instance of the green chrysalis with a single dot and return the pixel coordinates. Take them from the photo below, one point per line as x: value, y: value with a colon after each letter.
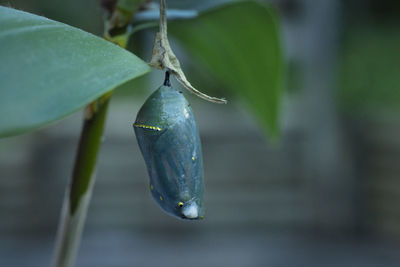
x: 169, y: 140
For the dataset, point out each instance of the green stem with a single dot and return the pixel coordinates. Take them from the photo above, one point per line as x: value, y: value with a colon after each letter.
x: 77, y: 197
x: 78, y: 194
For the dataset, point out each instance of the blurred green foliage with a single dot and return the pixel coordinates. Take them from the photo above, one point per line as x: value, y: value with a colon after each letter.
x: 243, y: 54
x: 369, y: 69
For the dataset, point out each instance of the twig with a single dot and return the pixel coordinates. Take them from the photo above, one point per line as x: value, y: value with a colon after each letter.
x: 164, y: 58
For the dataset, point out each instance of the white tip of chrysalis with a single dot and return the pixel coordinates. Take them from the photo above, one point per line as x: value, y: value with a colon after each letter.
x: 191, y: 211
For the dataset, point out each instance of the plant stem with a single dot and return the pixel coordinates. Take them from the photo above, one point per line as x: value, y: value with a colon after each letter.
x: 79, y: 192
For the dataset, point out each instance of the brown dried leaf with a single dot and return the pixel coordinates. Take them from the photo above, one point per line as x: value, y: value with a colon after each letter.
x: 163, y: 58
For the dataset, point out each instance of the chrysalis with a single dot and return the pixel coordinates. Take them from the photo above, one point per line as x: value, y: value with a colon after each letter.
x: 169, y: 141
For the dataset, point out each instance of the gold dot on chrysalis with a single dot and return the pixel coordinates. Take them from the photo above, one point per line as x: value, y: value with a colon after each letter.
x: 193, y: 158
x: 151, y: 187
x: 161, y: 198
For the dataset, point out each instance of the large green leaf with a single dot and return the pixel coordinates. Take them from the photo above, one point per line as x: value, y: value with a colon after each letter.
x: 240, y: 45
x: 49, y: 70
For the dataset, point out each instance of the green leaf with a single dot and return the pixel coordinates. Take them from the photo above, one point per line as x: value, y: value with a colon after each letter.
x: 49, y: 70
x: 240, y: 45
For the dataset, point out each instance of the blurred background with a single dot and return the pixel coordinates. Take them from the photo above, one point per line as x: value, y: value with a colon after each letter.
x: 326, y: 193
